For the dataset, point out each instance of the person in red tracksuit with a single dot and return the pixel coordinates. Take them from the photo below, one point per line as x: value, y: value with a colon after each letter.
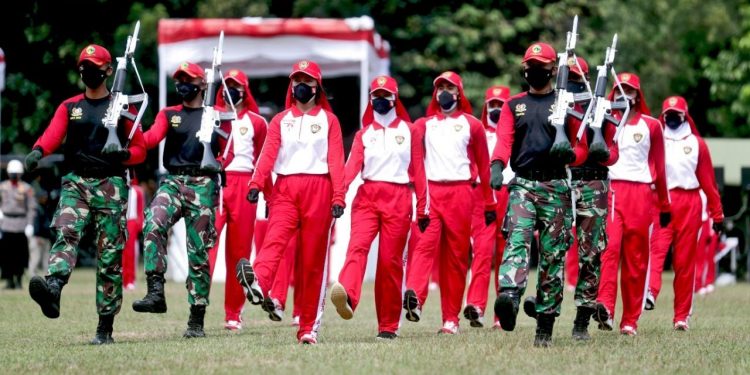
x: 455, y: 144
x: 238, y: 160
x: 305, y: 149
x: 641, y: 164
x: 689, y: 170
x: 485, y: 238
x: 136, y: 206
x: 388, y: 155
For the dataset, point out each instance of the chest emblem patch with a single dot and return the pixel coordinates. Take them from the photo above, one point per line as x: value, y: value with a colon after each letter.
x: 175, y: 121
x: 637, y: 137
x: 458, y: 127
x: 520, y: 109
x: 314, y: 128
x: 400, y: 139
x: 687, y: 149
x: 76, y: 113
x: 243, y: 130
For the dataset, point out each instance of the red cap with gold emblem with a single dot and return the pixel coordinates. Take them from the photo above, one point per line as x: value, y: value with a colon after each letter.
x: 463, y: 103
x: 542, y: 52
x: 500, y: 93
x: 632, y: 80
x: 390, y: 85
x: 678, y: 104
x: 311, y: 69
x: 192, y: 70
x: 241, y: 78
x: 96, y: 54
x: 574, y: 68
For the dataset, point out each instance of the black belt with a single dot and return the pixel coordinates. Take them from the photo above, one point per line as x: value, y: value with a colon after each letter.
x: 587, y: 174
x: 542, y: 174
x: 190, y: 171
x: 99, y: 172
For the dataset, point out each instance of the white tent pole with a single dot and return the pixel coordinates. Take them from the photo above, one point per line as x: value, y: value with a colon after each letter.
x: 162, y: 104
x: 364, y: 80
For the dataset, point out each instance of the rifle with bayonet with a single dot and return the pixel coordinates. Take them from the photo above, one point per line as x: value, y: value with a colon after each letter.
x: 565, y: 100
x: 602, y: 111
x: 211, y: 118
x: 119, y: 103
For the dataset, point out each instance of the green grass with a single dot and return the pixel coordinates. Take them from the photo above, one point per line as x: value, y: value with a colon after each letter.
x: 718, y: 342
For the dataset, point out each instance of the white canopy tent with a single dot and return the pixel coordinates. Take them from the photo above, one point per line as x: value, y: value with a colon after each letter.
x: 264, y: 48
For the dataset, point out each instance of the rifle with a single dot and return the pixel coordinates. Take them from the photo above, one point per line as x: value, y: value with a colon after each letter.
x: 602, y: 107
x: 564, y: 100
x: 211, y: 117
x: 120, y: 102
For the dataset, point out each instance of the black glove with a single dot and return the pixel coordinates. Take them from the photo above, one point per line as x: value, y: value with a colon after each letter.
x: 119, y: 156
x: 664, y: 219
x: 496, y: 174
x: 267, y: 210
x: 253, y: 195
x: 490, y: 217
x: 422, y: 223
x: 337, y: 211
x: 32, y: 159
x: 718, y: 228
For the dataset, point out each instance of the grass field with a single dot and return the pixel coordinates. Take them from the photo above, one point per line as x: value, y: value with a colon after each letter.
x: 718, y: 342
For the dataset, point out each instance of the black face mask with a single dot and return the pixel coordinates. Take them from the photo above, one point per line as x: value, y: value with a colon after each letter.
x: 303, y: 92
x: 381, y: 105
x: 447, y: 100
x: 537, y: 77
x: 187, y: 91
x: 495, y: 115
x: 673, y: 120
x: 235, y: 95
x: 92, y: 77
x: 576, y: 87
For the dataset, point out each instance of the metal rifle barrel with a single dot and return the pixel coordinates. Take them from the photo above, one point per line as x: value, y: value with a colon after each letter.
x: 601, y: 86
x: 119, y: 84
x: 210, y: 94
x: 562, y: 77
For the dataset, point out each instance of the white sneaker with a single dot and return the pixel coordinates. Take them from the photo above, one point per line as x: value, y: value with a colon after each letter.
x: 628, y: 330
x: 278, y: 313
x: 308, y: 339
x: 412, y: 307
x: 681, y: 326
x: 129, y: 287
x: 295, y: 321
x: 433, y: 285
x: 449, y: 328
x: 650, y: 301
x: 496, y: 325
x: 710, y: 288
x: 340, y: 299
x: 233, y: 325
x: 246, y: 277
x: 701, y: 292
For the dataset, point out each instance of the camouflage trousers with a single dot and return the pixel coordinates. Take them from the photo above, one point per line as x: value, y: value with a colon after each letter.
x: 102, y: 201
x: 546, y: 206
x: 591, y: 220
x: 195, y: 200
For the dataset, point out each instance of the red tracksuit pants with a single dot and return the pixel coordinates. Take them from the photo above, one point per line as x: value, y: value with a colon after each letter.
x: 628, y: 230
x: 705, y: 267
x: 446, y: 241
x: 379, y: 208
x: 286, y: 273
x: 571, y: 262
x: 239, y: 216
x: 129, y: 256
x: 300, y: 202
x: 683, y: 233
x: 483, y: 242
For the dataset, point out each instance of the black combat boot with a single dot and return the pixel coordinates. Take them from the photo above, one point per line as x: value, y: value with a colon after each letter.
x: 104, y: 331
x: 581, y: 323
x: 195, y: 323
x: 46, y: 292
x: 529, y: 306
x: 506, y: 308
x: 154, y: 301
x: 544, y: 325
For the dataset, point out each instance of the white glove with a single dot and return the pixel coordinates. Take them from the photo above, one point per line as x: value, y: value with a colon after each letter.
x: 29, y: 230
x: 1, y: 215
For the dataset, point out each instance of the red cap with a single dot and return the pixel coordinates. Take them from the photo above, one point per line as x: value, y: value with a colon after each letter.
x: 629, y: 79
x: 191, y: 69
x: 308, y: 67
x: 388, y: 84
x: 95, y: 54
x: 463, y: 103
x: 541, y: 52
x: 241, y: 78
x: 384, y: 83
x: 574, y: 68
x: 674, y: 103
x: 501, y: 93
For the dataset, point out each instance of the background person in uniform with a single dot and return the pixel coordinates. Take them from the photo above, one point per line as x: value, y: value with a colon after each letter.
x: 17, y: 214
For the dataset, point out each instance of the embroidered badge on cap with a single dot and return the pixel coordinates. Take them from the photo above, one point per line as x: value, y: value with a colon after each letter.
x: 497, y: 92
x: 536, y: 49
x: 303, y: 64
x: 382, y: 81
x: 90, y: 50
x: 672, y: 101
x: 626, y: 77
